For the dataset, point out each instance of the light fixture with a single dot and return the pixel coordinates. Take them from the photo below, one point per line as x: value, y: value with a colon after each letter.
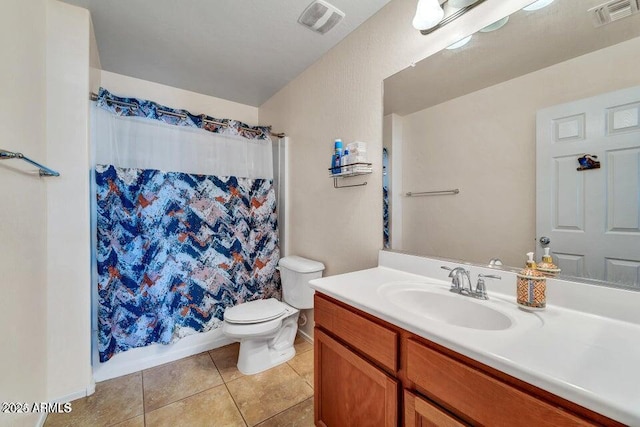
x: 460, y: 43
x: 428, y: 14
x: 496, y: 25
x: 537, y: 5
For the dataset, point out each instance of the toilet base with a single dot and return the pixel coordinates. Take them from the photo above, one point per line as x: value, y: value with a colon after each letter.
x: 257, y: 354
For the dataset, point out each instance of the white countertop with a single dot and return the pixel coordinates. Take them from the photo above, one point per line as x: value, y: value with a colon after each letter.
x: 588, y: 359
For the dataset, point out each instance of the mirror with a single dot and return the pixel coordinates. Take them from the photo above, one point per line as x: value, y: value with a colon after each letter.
x: 514, y: 106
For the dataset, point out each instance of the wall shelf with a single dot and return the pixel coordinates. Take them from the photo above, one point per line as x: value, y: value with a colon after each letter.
x: 352, y: 169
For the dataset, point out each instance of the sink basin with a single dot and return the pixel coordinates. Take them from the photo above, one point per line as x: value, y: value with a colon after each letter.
x: 440, y: 305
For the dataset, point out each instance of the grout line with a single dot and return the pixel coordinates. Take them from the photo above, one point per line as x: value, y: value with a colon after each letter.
x: 183, y: 398
x: 236, y: 403
x: 216, y: 366
x: 286, y: 409
x: 191, y: 395
x: 122, y: 421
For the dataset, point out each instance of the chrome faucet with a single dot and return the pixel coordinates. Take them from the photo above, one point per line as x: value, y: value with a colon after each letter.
x: 458, y: 275
x: 458, y: 285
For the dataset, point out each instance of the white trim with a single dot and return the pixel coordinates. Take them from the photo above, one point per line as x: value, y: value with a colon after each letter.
x: 138, y: 359
x: 305, y: 336
x: 92, y: 386
x: 70, y: 397
x: 41, y: 419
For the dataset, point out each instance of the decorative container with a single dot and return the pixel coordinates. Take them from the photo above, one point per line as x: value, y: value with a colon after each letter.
x: 531, y: 287
x: 547, y: 265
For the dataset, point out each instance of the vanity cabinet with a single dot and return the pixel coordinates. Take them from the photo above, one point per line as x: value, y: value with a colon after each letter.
x: 370, y: 372
x: 352, y: 391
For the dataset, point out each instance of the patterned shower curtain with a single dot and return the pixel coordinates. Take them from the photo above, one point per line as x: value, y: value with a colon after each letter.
x: 174, y: 250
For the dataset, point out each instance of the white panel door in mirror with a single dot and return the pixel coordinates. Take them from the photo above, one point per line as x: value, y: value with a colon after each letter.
x: 624, y: 118
x: 623, y: 188
x: 569, y: 128
x: 595, y: 213
x: 568, y: 203
x: 623, y: 271
x: 570, y: 264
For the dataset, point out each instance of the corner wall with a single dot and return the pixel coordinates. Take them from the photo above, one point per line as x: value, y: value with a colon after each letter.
x: 340, y: 96
x: 23, y: 208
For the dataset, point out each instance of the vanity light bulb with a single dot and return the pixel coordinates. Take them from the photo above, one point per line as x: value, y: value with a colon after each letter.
x: 428, y: 14
x: 537, y: 5
x: 496, y: 25
x: 460, y: 43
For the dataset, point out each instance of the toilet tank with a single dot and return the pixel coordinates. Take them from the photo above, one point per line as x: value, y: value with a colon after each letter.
x: 295, y: 273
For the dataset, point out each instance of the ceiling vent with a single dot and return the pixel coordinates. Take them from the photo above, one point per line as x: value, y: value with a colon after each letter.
x: 321, y: 16
x: 613, y: 11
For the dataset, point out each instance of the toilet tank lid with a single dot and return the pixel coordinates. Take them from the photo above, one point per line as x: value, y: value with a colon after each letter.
x: 257, y: 311
x: 300, y: 265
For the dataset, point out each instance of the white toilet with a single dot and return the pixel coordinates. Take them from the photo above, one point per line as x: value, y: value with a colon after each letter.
x: 267, y: 328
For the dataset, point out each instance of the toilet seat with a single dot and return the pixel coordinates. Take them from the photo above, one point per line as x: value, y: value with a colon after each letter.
x: 258, y: 311
x: 248, y: 319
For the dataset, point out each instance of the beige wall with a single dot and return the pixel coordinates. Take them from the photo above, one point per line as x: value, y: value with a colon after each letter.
x: 341, y: 96
x: 23, y: 207
x: 68, y: 248
x: 179, y: 98
x: 484, y: 143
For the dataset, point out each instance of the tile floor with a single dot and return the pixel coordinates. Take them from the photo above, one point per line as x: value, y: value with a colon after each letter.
x: 202, y: 390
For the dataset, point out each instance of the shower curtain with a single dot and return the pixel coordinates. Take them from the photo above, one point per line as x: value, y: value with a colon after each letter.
x: 185, y: 221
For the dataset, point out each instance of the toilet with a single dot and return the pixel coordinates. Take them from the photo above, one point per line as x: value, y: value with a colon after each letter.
x: 267, y: 328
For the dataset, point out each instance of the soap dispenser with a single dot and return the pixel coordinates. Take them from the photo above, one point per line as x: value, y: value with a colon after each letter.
x: 547, y: 264
x: 532, y: 287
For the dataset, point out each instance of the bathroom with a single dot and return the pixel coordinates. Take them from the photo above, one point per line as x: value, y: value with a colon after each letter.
x: 51, y: 63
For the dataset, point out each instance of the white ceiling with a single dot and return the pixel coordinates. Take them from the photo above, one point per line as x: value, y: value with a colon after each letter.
x: 240, y: 50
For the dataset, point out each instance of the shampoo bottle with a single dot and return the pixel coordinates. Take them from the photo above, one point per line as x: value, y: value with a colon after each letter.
x: 344, y: 161
x: 335, y: 159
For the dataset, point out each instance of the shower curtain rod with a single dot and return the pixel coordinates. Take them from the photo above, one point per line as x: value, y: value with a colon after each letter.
x: 94, y: 97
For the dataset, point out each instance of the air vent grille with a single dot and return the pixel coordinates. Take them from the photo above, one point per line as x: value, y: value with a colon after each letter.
x: 614, y: 10
x: 321, y: 16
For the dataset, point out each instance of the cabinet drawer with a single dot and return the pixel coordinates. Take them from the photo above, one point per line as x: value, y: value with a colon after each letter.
x: 419, y: 412
x: 368, y: 337
x: 476, y: 396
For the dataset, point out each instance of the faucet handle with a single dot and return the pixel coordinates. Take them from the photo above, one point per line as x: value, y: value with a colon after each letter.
x: 481, y: 288
x: 490, y: 276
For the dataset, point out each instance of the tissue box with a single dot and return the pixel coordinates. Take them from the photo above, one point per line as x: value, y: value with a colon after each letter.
x: 357, y: 152
x: 358, y: 146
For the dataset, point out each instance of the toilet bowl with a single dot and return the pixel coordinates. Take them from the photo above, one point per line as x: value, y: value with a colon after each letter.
x: 266, y: 329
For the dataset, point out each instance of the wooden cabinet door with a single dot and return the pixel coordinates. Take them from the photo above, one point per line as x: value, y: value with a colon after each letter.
x: 349, y: 391
x: 419, y: 412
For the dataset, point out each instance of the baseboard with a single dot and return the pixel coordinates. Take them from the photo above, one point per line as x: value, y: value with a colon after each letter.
x: 305, y: 336
x: 71, y: 396
x: 41, y: 419
x: 68, y: 398
x: 138, y: 359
